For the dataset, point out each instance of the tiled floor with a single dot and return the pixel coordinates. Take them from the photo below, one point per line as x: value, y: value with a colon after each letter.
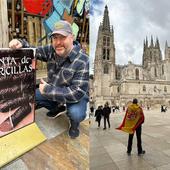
x: 108, y: 148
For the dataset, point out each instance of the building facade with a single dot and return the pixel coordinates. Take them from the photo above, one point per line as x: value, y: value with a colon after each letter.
x: 119, y: 84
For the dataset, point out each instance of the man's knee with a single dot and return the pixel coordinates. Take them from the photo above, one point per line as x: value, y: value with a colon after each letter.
x: 76, y: 114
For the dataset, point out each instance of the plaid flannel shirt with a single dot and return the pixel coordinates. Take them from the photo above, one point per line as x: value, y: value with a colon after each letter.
x: 68, y: 78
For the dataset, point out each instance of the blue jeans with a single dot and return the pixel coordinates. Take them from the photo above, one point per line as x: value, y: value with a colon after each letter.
x: 75, y: 111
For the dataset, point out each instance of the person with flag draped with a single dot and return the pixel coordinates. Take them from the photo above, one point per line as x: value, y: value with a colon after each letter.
x: 133, y: 120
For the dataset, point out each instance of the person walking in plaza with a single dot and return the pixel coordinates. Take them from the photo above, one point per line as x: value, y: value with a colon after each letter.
x: 91, y: 111
x: 98, y: 115
x: 133, y: 120
x: 106, y: 115
x: 68, y: 76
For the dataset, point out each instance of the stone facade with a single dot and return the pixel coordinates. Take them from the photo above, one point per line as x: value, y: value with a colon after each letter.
x: 119, y: 84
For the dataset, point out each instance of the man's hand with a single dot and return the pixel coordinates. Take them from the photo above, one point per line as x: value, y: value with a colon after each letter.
x: 42, y: 85
x: 15, y: 44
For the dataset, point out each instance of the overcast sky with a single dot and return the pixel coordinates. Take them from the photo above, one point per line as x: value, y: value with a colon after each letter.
x: 132, y: 21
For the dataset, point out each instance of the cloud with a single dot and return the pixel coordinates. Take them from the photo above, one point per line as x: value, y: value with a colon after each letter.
x: 94, y: 7
x: 132, y: 21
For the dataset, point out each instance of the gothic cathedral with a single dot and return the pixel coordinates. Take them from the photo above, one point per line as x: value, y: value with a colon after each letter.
x: 119, y: 84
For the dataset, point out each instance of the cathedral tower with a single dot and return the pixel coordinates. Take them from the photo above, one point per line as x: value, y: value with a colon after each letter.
x: 152, y: 58
x: 104, y: 64
x: 151, y: 53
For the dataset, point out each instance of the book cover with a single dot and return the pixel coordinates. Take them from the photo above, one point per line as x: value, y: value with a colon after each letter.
x: 17, y: 89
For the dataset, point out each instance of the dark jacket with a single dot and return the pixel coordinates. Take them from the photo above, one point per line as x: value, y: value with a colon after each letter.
x: 98, y: 114
x: 106, y: 111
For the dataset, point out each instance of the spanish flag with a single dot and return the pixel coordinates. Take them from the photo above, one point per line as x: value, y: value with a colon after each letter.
x: 134, y: 117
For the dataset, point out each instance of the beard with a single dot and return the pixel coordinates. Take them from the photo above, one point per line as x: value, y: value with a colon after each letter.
x: 62, y: 51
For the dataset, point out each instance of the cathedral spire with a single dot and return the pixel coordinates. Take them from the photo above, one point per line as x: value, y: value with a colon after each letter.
x: 112, y: 29
x: 106, y: 22
x: 166, y: 50
x: 157, y: 43
x: 146, y: 42
x: 166, y: 44
x: 151, y: 41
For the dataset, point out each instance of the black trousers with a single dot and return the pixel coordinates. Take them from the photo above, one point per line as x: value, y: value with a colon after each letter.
x: 99, y: 122
x: 98, y: 119
x: 108, y: 121
x: 139, y: 141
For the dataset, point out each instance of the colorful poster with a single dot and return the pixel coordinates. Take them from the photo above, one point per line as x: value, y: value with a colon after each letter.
x: 17, y: 89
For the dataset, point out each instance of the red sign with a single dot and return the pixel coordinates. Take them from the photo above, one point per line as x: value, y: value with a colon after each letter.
x: 40, y: 7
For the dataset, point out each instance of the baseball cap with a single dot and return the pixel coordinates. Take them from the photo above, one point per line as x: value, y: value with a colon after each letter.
x: 62, y: 27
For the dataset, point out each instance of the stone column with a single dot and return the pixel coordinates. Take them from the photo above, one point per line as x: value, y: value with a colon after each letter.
x: 3, y: 24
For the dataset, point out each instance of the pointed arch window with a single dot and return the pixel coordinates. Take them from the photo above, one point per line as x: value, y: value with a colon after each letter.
x: 144, y: 88
x: 150, y: 55
x: 165, y: 89
x: 162, y: 69
x: 155, y: 72
x: 108, y: 54
x: 104, y: 53
x: 118, y: 75
x: 118, y: 89
x: 155, y: 88
x: 104, y: 40
x: 108, y: 41
x: 137, y: 73
x: 106, y: 69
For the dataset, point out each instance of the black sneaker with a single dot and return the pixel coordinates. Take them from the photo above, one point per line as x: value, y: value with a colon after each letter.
x: 56, y: 112
x: 141, y: 153
x: 104, y: 128
x: 73, y: 130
